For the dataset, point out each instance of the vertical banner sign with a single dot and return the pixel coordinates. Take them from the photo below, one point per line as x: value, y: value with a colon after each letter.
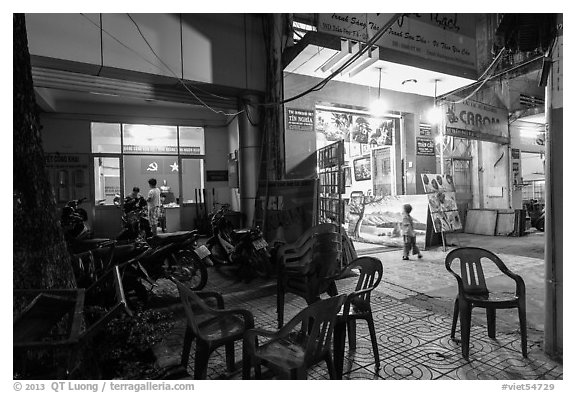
x: 442, y: 202
x: 425, y: 147
x: 300, y: 119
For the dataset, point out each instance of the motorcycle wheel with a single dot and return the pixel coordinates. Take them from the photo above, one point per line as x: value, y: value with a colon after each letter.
x: 260, y: 263
x: 218, y: 254
x: 189, y: 270
x: 540, y: 224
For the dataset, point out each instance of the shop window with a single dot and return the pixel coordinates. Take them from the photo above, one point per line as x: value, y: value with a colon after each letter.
x: 191, y: 140
x: 106, y: 180
x: 105, y: 137
x: 192, y: 180
x: 149, y: 139
x: 138, y: 169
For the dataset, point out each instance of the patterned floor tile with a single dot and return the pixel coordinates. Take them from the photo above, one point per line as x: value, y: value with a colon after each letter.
x: 399, y: 366
x: 362, y: 373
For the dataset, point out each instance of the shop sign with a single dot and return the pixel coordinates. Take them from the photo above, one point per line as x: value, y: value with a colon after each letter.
x: 66, y: 160
x: 217, y: 176
x: 476, y: 120
x: 515, y: 154
x: 448, y: 38
x: 300, y: 119
x: 193, y: 150
x: 425, y: 130
x: 425, y: 147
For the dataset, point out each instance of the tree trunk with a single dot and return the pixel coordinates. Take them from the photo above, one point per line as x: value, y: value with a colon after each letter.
x: 41, y: 259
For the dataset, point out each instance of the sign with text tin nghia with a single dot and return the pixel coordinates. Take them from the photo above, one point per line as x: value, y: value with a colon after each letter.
x: 299, y: 119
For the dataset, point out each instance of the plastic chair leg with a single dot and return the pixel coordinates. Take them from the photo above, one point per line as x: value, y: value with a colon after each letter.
x: 330, y: 365
x: 465, y: 321
x: 372, y: 330
x: 246, y: 363
x: 201, y: 360
x: 280, y: 306
x: 188, y: 336
x: 299, y: 373
x: 523, y: 332
x: 454, y: 319
x: 352, y: 334
x: 230, y: 356
x: 491, y: 322
x: 339, y: 342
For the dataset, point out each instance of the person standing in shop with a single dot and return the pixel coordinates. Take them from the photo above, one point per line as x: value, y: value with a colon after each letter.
x: 153, y: 205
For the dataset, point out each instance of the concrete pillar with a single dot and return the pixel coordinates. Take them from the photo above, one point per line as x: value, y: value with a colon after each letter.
x: 553, y: 332
x: 249, y: 153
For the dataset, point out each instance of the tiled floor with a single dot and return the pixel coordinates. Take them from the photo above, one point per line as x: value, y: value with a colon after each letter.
x: 413, y: 336
x: 413, y: 344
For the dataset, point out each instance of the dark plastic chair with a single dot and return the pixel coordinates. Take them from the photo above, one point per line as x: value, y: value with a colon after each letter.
x: 309, y: 270
x: 301, y: 343
x: 357, y: 306
x: 473, y: 292
x: 211, y: 327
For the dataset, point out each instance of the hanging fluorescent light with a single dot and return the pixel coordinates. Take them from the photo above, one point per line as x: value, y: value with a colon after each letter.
x: 379, y: 107
x: 344, y: 54
x: 369, y: 58
x: 434, y: 115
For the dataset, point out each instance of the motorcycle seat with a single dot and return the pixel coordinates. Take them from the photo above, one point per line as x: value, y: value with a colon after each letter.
x: 173, y: 237
x: 239, y: 233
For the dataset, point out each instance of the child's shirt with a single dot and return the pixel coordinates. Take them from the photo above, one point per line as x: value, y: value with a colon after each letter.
x: 407, y: 226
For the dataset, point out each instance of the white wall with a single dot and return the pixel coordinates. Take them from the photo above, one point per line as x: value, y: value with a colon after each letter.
x: 223, y: 49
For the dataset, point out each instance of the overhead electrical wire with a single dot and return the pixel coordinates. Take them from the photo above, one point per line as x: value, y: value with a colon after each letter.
x: 357, y: 55
x: 492, y: 65
x: 176, y: 76
x: 160, y: 68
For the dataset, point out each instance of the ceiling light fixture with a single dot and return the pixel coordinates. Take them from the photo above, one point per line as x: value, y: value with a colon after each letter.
x: 379, y: 107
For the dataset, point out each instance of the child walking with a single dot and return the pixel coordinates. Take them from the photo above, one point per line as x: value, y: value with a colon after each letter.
x: 409, y: 234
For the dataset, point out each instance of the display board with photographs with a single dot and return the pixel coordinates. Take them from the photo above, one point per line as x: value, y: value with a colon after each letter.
x: 360, y: 132
x: 442, y: 202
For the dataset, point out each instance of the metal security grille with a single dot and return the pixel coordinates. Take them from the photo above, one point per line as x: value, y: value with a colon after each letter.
x: 461, y: 147
x: 331, y: 183
x: 462, y: 175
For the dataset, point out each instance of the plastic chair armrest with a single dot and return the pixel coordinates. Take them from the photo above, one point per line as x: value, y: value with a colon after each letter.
x: 251, y: 338
x: 212, y: 294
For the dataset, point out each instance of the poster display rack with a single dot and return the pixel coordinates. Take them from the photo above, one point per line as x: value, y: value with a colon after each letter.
x: 442, y: 205
x: 331, y: 183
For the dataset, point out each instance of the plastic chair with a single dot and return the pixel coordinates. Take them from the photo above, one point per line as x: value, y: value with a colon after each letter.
x: 211, y: 327
x: 473, y: 292
x: 302, y: 343
x: 310, y: 270
x: 357, y: 306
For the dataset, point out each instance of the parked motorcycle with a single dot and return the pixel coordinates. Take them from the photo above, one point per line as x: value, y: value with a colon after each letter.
x: 536, y: 212
x: 173, y: 254
x: 73, y: 219
x: 135, y: 223
x: 244, y: 249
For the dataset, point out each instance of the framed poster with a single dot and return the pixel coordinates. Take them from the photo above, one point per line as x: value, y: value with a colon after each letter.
x: 362, y: 169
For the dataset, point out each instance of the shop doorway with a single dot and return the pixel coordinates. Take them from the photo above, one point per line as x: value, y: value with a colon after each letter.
x: 107, y: 196
x: 462, y: 175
